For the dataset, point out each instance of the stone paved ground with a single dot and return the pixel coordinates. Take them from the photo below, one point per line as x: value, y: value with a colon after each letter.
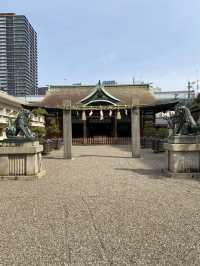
x: 102, y: 208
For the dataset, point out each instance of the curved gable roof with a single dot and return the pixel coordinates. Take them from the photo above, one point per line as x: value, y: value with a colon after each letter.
x: 77, y: 94
x: 99, y: 94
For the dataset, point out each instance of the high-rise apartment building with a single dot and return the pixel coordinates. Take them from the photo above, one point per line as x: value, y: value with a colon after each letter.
x: 18, y: 55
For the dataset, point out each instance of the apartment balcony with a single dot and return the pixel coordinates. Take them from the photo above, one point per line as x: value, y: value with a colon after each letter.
x: 37, y: 124
x: 37, y: 121
x: 7, y: 114
x: 3, y: 121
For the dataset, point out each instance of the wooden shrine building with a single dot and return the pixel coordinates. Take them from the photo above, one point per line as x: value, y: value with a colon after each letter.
x: 102, y: 115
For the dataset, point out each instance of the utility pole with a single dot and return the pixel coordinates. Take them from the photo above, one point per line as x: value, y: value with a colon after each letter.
x: 197, y: 86
x: 189, y: 87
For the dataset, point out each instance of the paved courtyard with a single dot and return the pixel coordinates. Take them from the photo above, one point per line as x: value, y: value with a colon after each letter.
x: 101, y: 208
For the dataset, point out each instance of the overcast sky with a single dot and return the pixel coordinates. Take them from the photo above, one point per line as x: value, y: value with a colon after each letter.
x: 87, y: 40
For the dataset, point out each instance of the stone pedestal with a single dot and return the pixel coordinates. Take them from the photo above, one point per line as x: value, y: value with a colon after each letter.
x: 183, y: 156
x: 20, y: 160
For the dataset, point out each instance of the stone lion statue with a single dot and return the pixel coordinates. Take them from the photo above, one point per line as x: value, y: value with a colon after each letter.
x: 20, y: 126
x: 182, y: 122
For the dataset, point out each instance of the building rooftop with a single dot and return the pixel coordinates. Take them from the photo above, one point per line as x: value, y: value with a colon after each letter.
x: 9, y: 99
x: 125, y: 93
x: 7, y: 14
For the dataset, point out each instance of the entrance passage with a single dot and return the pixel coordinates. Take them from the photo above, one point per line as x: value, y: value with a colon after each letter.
x: 100, y: 128
x: 107, y: 131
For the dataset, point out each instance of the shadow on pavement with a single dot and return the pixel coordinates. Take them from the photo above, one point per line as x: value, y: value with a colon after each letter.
x: 122, y: 147
x: 105, y: 156
x: 53, y: 157
x: 152, y: 173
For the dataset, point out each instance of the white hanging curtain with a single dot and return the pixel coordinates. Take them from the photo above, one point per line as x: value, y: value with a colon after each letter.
x: 119, y: 115
x: 83, y: 116
x: 110, y: 113
x: 101, y: 115
x: 91, y: 113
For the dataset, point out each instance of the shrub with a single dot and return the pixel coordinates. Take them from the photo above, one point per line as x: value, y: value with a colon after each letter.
x: 39, y: 112
x: 156, y: 132
x: 162, y: 133
x: 40, y: 132
x: 149, y: 132
x: 53, y: 129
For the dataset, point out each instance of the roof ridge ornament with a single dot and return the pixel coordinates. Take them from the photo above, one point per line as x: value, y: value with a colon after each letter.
x: 99, y: 95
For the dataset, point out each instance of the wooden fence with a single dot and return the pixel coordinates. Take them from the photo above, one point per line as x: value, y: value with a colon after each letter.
x: 101, y: 140
x: 146, y: 142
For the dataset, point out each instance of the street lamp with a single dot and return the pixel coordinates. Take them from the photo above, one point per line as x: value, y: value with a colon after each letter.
x: 48, y: 86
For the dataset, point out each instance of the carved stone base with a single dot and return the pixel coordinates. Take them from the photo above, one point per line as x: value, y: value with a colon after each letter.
x: 20, y: 160
x: 181, y: 175
x: 184, y: 139
x: 183, y: 159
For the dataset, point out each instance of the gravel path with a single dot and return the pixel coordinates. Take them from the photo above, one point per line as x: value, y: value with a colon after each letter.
x: 101, y: 208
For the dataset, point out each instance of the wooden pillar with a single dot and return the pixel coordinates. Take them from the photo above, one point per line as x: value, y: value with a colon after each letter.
x: 135, y: 131
x: 141, y: 123
x: 84, y: 131
x: 67, y: 133
x: 115, y: 126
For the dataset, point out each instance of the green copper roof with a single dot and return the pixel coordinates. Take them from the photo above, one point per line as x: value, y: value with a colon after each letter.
x: 99, y: 94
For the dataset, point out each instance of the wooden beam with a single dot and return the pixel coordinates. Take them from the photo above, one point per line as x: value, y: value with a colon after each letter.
x: 100, y: 107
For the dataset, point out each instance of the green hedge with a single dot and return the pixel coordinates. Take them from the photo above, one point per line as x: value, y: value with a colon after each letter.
x: 156, y: 132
